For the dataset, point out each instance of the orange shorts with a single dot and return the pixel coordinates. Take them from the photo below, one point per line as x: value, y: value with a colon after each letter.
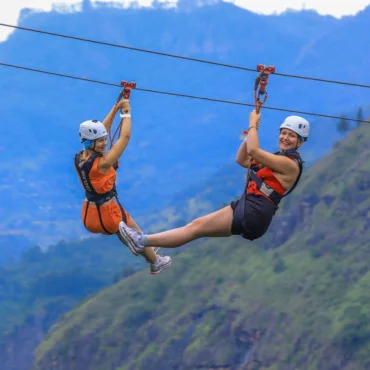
x: 111, y: 214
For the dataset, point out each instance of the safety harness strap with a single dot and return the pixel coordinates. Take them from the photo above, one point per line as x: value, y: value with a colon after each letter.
x: 266, y: 189
x: 84, y: 170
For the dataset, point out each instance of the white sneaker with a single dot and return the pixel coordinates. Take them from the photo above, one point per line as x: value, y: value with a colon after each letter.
x: 162, y: 263
x: 131, y: 238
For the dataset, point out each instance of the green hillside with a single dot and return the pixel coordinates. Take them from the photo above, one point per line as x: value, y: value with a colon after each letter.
x: 297, y: 299
x: 46, y: 284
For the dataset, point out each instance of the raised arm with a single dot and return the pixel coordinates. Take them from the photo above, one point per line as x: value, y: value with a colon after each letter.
x: 108, y: 120
x: 276, y: 163
x: 120, y: 145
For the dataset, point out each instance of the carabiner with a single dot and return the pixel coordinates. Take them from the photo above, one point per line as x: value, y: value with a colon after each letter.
x: 260, y: 85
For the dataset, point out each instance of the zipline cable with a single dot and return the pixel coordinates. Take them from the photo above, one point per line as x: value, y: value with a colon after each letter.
x: 180, y: 56
x: 176, y: 94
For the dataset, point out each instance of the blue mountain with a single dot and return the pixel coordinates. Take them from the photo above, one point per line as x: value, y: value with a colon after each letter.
x: 176, y: 143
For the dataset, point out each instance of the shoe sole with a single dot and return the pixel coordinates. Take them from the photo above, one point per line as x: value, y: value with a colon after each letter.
x: 130, y: 243
x: 163, y: 267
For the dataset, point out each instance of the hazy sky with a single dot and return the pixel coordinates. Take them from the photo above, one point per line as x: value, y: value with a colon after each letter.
x: 9, y: 10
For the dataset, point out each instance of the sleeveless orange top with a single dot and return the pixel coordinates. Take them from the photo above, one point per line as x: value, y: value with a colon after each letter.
x: 102, y: 182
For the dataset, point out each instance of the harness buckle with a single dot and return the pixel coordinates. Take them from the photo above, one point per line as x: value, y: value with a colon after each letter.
x: 265, y: 189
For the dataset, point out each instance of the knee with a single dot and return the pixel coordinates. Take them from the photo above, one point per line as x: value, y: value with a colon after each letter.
x: 195, y: 226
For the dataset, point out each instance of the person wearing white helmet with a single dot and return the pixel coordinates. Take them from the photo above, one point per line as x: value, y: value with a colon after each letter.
x: 271, y: 176
x: 101, y: 211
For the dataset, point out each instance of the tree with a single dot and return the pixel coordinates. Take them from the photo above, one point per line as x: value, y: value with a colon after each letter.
x: 360, y: 116
x: 343, y: 126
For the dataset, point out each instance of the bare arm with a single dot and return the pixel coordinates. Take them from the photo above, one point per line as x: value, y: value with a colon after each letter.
x: 278, y: 164
x: 120, y: 145
x: 242, y: 156
x: 108, y: 120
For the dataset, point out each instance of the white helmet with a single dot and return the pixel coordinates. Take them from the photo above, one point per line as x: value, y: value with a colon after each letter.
x: 92, y: 130
x: 297, y: 124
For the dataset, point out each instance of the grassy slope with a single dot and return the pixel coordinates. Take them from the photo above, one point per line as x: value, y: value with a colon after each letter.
x: 308, y: 298
x: 44, y: 283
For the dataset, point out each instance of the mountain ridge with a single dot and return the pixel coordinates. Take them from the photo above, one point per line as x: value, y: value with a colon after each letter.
x: 168, y: 132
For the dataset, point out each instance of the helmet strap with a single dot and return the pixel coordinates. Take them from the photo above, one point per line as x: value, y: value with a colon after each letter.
x: 93, y: 148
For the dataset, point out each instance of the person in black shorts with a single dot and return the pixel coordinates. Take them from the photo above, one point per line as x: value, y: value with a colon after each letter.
x: 270, y: 177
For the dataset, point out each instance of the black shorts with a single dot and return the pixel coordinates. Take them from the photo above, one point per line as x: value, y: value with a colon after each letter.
x: 252, y: 216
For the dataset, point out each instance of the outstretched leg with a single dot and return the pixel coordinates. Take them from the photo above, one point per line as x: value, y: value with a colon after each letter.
x: 216, y: 224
